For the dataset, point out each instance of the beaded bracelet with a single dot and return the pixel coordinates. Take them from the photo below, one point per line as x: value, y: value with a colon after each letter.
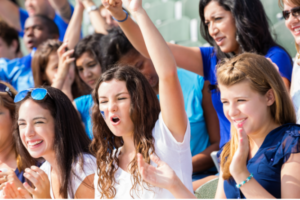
x: 244, y: 182
x: 123, y: 19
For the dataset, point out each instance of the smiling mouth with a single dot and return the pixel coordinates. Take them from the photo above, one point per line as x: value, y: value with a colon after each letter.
x: 35, y: 144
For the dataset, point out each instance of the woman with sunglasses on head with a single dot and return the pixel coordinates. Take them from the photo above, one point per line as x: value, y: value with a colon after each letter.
x: 231, y: 27
x: 128, y: 119
x: 48, y: 127
x: 291, y: 14
x: 11, y: 169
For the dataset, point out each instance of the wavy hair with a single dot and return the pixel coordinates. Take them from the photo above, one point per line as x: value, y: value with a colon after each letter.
x: 70, y: 139
x: 144, y: 113
x: 252, y: 27
x: 261, y: 76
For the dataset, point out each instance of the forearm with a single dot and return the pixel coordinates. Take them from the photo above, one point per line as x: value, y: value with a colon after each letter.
x: 62, y: 7
x: 9, y: 12
x: 95, y: 17
x: 252, y: 189
x: 180, y: 191
x: 203, y: 160
x: 74, y: 28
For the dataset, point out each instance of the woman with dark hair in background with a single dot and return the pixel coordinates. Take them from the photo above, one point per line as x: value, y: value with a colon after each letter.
x: 45, y: 68
x: 11, y: 169
x: 48, y: 127
x: 231, y: 27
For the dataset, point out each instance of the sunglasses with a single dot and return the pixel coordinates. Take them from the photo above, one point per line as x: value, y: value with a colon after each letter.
x: 36, y: 94
x: 295, y: 12
x: 5, y: 89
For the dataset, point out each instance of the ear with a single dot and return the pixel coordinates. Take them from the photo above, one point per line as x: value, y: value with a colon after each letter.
x: 270, y: 97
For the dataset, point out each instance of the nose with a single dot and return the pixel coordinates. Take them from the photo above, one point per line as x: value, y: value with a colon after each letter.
x: 29, y: 32
x: 233, y: 110
x: 112, y: 106
x: 212, y: 29
x: 87, y: 73
x: 29, y: 131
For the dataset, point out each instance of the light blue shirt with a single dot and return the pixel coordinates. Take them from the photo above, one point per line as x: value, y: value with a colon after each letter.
x: 192, y: 85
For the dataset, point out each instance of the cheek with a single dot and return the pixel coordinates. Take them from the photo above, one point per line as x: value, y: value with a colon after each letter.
x: 96, y: 71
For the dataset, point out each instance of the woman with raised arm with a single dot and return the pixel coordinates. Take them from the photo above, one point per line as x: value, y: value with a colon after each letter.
x: 230, y: 27
x: 127, y: 120
x: 48, y: 127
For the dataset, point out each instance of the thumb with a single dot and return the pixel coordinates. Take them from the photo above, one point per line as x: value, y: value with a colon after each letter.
x: 156, y: 160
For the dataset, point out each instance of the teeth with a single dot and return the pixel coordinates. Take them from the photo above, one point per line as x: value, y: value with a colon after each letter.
x: 35, y: 143
x: 297, y: 29
x: 239, y: 121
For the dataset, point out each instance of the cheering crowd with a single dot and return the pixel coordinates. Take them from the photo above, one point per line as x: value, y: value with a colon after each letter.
x: 121, y: 113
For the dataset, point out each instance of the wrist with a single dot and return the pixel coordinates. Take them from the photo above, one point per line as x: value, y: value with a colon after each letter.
x: 239, y: 177
x: 119, y: 16
x: 88, y: 3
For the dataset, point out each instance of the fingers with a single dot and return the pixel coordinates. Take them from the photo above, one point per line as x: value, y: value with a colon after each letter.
x: 33, y: 177
x: 156, y: 160
x: 10, y: 191
x: 29, y: 188
x: 62, y: 48
x: 23, y: 193
x: 40, y: 173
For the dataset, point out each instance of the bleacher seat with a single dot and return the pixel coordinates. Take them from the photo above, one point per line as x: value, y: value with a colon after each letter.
x: 272, y: 9
x: 284, y: 37
x: 207, y: 190
x: 175, y: 30
x: 161, y: 11
x: 190, y: 8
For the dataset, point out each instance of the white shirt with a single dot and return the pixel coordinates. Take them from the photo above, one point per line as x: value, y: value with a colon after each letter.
x: 295, y: 88
x: 89, y: 167
x: 176, y: 155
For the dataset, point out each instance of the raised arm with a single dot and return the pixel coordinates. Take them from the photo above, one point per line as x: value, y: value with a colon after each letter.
x: 188, y: 58
x: 72, y: 34
x: 97, y: 21
x: 9, y: 12
x: 171, y: 97
x: 63, y: 8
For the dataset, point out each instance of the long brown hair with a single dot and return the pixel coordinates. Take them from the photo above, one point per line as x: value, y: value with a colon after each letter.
x: 70, y: 139
x: 8, y: 102
x: 144, y: 113
x: 261, y: 76
x: 39, y: 65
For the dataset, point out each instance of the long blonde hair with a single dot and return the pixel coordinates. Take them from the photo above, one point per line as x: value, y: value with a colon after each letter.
x: 262, y: 76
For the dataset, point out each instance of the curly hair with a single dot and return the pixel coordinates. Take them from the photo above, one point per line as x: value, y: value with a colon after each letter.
x: 144, y: 113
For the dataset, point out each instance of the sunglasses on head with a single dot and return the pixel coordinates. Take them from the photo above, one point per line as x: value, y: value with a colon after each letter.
x: 36, y: 94
x: 295, y: 12
x: 5, y: 89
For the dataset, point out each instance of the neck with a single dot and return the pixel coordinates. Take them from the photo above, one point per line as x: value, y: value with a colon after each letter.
x: 128, y: 146
x: 256, y: 139
x: 51, y: 158
x: 7, y: 153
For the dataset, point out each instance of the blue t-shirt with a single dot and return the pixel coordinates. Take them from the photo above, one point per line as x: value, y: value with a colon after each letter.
x: 17, y: 72
x: 84, y: 106
x: 61, y: 24
x: 266, y: 164
x: 209, y: 58
x: 192, y: 85
x: 20, y: 175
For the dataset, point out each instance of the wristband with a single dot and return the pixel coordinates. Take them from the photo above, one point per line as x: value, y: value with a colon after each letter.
x: 91, y: 8
x: 123, y: 19
x: 244, y: 182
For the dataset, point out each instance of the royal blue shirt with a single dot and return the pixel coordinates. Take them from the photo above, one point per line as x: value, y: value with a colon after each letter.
x: 61, y: 24
x: 84, y: 106
x: 17, y: 72
x: 209, y: 58
x: 266, y: 164
x: 20, y: 175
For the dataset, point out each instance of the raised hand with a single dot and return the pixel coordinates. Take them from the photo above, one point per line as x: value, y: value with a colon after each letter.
x: 115, y: 8
x: 40, y: 181
x: 10, y: 191
x: 133, y: 5
x: 9, y: 176
x: 238, y: 164
x: 161, y: 176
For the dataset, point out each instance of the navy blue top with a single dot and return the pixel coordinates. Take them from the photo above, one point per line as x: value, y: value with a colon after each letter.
x: 20, y: 175
x: 209, y: 58
x: 266, y: 164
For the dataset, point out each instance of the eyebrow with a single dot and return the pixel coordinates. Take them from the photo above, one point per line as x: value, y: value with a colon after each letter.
x: 116, y: 95
x: 33, y: 118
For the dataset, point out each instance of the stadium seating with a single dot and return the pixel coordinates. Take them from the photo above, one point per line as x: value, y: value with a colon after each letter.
x: 284, y: 37
x: 207, y: 190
